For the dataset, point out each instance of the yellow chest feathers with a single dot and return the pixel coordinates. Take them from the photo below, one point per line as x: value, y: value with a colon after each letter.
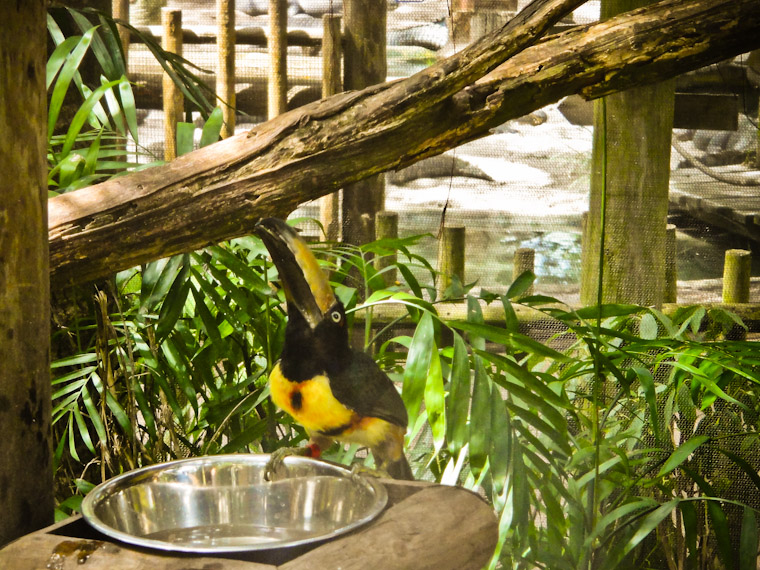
x: 312, y: 404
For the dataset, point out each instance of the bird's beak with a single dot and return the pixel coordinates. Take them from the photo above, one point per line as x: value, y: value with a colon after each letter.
x: 306, y: 285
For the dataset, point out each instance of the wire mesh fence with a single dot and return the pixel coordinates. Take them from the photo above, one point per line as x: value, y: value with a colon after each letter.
x: 526, y: 185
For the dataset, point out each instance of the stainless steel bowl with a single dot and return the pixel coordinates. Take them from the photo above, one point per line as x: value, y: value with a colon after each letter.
x: 223, y: 504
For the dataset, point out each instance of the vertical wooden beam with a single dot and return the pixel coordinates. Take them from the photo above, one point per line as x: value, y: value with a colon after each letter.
x: 332, y: 83
x: 461, y: 15
x: 120, y: 11
x: 174, y: 102
x: 364, y: 64
x: 26, y: 470
x: 753, y: 63
x: 451, y: 248
x: 225, y: 69
x: 630, y: 176
x: 387, y: 227
x: 277, y: 44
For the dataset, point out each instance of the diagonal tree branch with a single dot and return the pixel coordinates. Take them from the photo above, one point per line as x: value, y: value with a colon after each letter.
x: 220, y: 191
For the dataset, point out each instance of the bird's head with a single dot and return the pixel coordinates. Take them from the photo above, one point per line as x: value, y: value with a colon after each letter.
x: 314, y: 313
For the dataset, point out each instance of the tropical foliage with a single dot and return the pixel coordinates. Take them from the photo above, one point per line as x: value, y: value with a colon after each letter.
x: 625, y: 438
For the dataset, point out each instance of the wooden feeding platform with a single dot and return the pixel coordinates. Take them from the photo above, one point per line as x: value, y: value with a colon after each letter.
x: 424, y: 526
x: 728, y: 206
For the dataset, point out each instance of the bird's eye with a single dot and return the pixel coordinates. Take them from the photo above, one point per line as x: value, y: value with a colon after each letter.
x: 336, y: 316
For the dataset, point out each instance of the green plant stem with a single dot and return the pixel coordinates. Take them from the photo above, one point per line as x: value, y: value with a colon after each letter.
x: 599, y: 382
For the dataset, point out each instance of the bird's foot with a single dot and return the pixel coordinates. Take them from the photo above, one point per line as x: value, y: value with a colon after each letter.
x: 359, y: 470
x: 276, y: 461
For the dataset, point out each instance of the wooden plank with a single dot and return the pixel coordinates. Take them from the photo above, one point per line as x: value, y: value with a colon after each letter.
x: 435, y: 529
x: 244, y: 35
x: 54, y: 552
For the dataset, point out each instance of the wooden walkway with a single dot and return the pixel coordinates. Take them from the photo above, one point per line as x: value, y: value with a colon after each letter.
x: 733, y: 208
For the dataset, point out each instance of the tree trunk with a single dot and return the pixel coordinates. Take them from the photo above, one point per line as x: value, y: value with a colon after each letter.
x: 220, y: 191
x: 631, y: 168
x: 26, y: 502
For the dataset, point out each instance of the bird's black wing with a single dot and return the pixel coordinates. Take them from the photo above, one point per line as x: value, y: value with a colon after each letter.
x: 366, y: 389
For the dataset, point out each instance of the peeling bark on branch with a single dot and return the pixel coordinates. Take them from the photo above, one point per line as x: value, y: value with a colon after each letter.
x: 220, y: 191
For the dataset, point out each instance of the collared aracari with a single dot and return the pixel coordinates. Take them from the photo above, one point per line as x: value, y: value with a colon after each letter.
x: 336, y: 393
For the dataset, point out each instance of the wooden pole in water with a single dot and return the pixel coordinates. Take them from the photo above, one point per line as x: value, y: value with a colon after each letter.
x: 671, y: 272
x: 737, y: 268
x: 630, y: 177
x: 225, y: 72
x: 450, y: 257
x: 277, y: 44
x: 332, y: 83
x: 364, y: 64
x: 386, y: 224
x: 174, y: 101
x: 524, y: 260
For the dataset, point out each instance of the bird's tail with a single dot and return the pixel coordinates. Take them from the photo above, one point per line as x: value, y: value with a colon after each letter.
x: 400, y: 469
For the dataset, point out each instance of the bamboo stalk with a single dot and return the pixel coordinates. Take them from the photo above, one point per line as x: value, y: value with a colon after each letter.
x: 225, y: 73
x: 173, y: 98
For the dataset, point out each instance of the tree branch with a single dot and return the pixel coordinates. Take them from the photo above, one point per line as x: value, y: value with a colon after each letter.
x: 220, y: 191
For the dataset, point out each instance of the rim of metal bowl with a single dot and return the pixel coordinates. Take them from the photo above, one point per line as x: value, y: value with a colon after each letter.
x: 106, y: 489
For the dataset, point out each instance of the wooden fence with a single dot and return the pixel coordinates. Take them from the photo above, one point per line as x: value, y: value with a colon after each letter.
x: 330, y: 43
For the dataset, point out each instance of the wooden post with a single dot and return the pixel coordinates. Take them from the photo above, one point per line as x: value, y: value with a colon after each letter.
x: 120, y: 11
x: 26, y: 470
x: 386, y: 224
x: 225, y: 71
x: 146, y: 12
x: 524, y: 260
x: 737, y: 268
x: 461, y: 16
x: 450, y: 257
x: 631, y: 168
x: 671, y: 272
x: 174, y: 102
x: 332, y: 83
x: 364, y: 64
x: 277, y: 44
x: 753, y: 64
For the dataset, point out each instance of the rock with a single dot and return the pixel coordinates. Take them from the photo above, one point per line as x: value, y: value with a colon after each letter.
x: 441, y: 166
x: 430, y: 36
x: 318, y: 8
